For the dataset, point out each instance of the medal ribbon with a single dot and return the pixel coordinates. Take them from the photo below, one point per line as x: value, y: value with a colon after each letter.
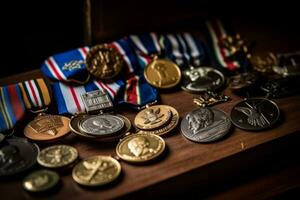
x: 12, y: 108
x: 68, y: 66
x: 184, y: 49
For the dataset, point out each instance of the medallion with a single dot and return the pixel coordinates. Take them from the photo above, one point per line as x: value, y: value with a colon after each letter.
x: 57, y: 156
x: 47, y: 127
x: 153, y: 117
x: 255, y: 114
x: 242, y: 81
x: 96, y: 171
x: 104, y: 62
x: 200, y: 79
x: 140, y: 147
x: 40, y: 181
x: 205, y: 125
x: 17, y: 155
x: 162, y: 73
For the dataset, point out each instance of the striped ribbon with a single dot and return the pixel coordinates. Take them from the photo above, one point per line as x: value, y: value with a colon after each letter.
x: 12, y: 108
x: 184, y: 49
x: 68, y: 66
x: 216, y: 32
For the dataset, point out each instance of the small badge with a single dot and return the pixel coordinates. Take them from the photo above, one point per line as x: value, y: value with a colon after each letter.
x: 96, y: 100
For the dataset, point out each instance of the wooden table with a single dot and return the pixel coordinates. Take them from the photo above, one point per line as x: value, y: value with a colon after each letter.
x: 243, y: 165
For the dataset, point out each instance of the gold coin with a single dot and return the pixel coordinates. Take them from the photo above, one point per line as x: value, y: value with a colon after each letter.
x: 162, y: 73
x: 57, y: 156
x: 104, y: 62
x: 47, y: 127
x: 153, y: 117
x: 168, y: 127
x: 40, y: 181
x: 96, y: 171
x: 140, y: 147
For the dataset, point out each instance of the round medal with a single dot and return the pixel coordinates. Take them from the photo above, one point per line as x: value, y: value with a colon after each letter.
x: 242, y: 81
x: 47, y: 127
x: 200, y: 79
x: 18, y: 155
x: 162, y: 73
x: 57, y: 156
x: 104, y: 62
x: 40, y: 181
x: 205, y: 125
x: 140, y: 147
x: 255, y: 114
x: 96, y: 171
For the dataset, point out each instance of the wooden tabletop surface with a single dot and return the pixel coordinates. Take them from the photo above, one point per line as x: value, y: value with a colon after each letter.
x: 185, y: 165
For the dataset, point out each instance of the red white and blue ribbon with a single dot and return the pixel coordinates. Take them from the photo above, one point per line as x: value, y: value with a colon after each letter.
x: 12, y: 108
x: 184, y: 49
x: 68, y: 66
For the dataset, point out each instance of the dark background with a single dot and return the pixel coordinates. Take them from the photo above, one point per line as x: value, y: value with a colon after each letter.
x: 32, y: 31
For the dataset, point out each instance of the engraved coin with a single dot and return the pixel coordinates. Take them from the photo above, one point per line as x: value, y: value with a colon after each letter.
x: 75, y: 121
x: 101, y: 125
x: 57, y: 156
x: 96, y: 171
x: 205, y: 125
x: 200, y: 79
x: 104, y: 62
x: 40, y: 181
x: 168, y: 127
x: 162, y: 73
x: 17, y: 155
x: 140, y: 147
x: 153, y: 117
x: 255, y: 114
x: 47, y: 127
x: 242, y: 80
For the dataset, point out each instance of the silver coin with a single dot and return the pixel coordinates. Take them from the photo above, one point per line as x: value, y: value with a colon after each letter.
x: 200, y: 79
x: 100, y: 125
x: 205, y: 125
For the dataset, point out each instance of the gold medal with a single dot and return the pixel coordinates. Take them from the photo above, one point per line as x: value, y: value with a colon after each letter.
x: 47, y: 127
x: 153, y: 117
x: 167, y: 127
x: 140, y: 147
x: 162, y: 73
x: 104, y: 62
x: 57, y: 156
x: 96, y: 171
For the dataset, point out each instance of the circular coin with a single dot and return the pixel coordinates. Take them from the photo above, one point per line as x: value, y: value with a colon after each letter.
x: 200, y: 79
x: 40, y: 181
x: 104, y: 62
x: 101, y: 125
x: 255, y: 114
x: 140, y: 147
x: 242, y: 81
x: 162, y: 73
x: 205, y: 125
x: 166, y: 128
x: 57, y: 156
x: 153, y: 117
x: 47, y: 127
x: 96, y: 171
x: 17, y: 155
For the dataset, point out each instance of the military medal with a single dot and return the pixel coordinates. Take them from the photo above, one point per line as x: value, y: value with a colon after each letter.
x: 140, y: 147
x: 157, y: 119
x: 17, y: 155
x: 242, y: 81
x: 200, y: 79
x: 255, y: 114
x: 96, y: 171
x: 40, y: 181
x: 57, y: 156
x: 104, y: 62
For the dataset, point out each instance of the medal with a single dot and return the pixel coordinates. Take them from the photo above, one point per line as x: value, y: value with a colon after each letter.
x: 140, y: 147
x: 17, y: 155
x: 255, y: 114
x: 96, y: 171
x: 242, y: 81
x: 40, y: 181
x: 57, y: 156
